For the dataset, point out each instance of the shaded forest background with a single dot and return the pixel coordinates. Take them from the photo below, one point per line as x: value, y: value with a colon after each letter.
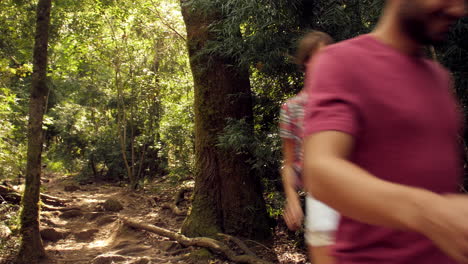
x: 121, y: 106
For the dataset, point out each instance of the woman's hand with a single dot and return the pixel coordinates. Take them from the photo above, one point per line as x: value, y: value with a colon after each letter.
x: 293, y: 214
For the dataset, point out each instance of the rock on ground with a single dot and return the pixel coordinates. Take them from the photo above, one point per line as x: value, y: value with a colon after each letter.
x: 50, y: 234
x: 71, y: 214
x: 5, y: 231
x: 71, y: 188
x: 112, y: 205
x: 86, y: 235
x: 108, y: 259
x: 106, y: 220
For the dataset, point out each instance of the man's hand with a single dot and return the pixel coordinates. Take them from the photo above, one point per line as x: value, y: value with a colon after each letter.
x: 445, y: 222
x: 293, y: 214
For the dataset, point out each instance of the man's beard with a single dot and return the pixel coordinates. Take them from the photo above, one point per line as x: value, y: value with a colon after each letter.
x: 415, y: 26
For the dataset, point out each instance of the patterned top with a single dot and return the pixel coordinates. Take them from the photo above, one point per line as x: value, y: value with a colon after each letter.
x: 291, y: 127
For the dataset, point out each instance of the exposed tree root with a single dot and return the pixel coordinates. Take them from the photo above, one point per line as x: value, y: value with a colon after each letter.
x: 180, y: 257
x: 46, y: 207
x: 50, y: 198
x: 205, y: 242
x: 260, y: 244
x: 179, y: 196
x: 239, y: 243
x: 174, y: 209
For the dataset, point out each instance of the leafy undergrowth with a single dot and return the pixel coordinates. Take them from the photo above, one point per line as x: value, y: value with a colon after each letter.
x: 9, y: 239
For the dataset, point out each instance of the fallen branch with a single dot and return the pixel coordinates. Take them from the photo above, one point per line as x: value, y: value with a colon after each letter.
x: 206, y: 242
x: 12, y: 196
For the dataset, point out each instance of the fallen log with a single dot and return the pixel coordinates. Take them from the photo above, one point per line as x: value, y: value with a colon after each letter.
x: 9, y: 195
x: 205, y: 242
x: 12, y: 196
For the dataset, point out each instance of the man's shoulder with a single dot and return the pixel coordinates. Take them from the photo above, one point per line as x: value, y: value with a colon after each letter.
x: 346, y: 49
x: 340, y: 60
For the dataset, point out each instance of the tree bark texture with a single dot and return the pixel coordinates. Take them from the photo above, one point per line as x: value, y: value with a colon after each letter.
x: 32, y: 249
x: 227, y: 197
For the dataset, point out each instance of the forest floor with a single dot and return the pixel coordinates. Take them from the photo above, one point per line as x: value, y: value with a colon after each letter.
x: 87, y: 231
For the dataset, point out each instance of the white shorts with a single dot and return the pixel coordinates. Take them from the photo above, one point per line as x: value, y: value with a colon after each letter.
x: 321, y: 223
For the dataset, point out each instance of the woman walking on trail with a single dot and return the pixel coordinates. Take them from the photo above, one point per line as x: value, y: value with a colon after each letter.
x: 321, y: 221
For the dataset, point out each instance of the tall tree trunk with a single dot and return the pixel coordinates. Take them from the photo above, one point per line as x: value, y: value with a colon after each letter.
x: 227, y: 197
x: 31, y: 249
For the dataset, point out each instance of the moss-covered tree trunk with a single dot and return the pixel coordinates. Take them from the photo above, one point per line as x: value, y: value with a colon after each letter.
x: 31, y: 249
x: 227, y: 197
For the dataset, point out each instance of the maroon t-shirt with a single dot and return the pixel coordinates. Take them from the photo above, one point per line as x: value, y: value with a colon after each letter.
x: 404, y: 119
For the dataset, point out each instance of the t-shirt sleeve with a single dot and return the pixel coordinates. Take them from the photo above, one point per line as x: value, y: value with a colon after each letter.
x: 333, y: 103
x: 286, y: 126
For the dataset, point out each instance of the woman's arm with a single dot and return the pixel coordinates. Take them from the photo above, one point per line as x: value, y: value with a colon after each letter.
x: 293, y: 214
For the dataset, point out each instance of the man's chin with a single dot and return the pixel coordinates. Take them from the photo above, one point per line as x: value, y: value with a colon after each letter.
x: 439, y: 38
x: 433, y: 39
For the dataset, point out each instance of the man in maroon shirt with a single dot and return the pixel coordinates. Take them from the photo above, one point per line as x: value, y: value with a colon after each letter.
x: 381, y: 147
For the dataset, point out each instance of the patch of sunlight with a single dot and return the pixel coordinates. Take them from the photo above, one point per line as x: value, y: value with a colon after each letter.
x: 99, y: 243
x: 152, y: 214
x: 90, y: 200
x: 65, y: 246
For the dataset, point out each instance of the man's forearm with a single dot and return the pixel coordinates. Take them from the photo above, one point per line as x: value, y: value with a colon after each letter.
x: 357, y: 194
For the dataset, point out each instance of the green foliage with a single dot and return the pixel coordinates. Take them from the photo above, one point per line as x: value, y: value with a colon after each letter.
x: 15, y: 70
x: 264, y: 148
x: 9, y: 218
x: 120, y: 87
x: 121, y: 83
x: 12, y: 145
x: 121, y: 92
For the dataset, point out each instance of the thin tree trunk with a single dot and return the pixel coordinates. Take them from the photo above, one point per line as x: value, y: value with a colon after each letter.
x: 123, y: 143
x: 142, y: 157
x: 121, y: 114
x: 32, y: 249
x: 227, y: 197
x: 133, y: 177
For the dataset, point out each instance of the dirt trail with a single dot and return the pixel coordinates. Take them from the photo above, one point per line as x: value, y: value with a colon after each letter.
x: 84, y: 232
